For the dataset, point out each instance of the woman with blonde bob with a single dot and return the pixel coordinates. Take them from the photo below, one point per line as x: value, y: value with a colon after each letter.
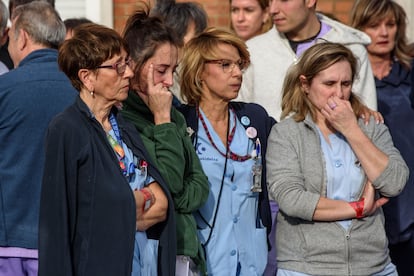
x: 230, y: 139
x: 330, y: 172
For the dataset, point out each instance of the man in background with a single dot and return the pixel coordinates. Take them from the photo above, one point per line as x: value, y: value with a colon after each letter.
x: 4, y: 53
x: 297, y: 26
x: 15, y: 3
x: 30, y: 95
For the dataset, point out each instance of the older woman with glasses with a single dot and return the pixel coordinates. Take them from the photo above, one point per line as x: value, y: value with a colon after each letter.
x: 101, y: 193
x: 230, y: 139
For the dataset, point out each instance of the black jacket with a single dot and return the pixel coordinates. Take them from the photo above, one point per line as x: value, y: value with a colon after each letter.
x: 87, y: 212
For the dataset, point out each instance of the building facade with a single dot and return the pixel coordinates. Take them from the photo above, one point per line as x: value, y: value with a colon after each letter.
x: 218, y: 11
x: 113, y: 13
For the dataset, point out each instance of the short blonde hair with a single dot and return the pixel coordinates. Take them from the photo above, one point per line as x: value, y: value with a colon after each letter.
x: 314, y: 60
x: 197, y: 52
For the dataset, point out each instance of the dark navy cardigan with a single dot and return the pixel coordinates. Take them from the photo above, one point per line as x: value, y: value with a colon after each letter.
x: 87, y: 211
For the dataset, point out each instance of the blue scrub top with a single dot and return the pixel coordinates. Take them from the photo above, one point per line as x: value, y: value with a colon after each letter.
x: 344, y: 172
x: 238, y: 243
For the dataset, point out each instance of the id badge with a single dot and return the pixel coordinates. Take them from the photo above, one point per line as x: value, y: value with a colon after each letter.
x: 143, y: 166
x: 257, y: 168
x: 257, y: 177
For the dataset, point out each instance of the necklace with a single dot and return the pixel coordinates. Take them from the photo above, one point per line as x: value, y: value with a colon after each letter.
x: 233, y: 156
x: 384, y: 71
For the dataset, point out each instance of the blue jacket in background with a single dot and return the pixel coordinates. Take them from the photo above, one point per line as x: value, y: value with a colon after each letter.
x: 394, y: 103
x: 30, y: 96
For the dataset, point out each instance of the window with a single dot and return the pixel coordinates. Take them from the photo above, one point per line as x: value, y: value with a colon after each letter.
x: 99, y: 11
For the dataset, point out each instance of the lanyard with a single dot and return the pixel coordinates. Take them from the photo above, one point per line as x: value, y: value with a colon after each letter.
x: 117, y: 147
x: 115, y: 128
x: 119, y: 151
x: 233, y: 156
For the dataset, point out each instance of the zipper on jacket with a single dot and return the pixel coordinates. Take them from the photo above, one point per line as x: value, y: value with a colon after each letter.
x: 348, y: 251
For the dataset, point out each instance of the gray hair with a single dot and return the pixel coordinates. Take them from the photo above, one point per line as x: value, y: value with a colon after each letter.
x: 13, y: 4
x: 42, y: 23
x: 4, y: 16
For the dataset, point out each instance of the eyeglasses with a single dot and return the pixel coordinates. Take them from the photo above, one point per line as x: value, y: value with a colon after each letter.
x: 228, y: 65
x: 120, y: 67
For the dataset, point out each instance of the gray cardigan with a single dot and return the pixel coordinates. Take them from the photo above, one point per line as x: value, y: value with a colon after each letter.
x: 296, y: 176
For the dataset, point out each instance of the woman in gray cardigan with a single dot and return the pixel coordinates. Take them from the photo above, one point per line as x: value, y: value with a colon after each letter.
x: 330, y: 172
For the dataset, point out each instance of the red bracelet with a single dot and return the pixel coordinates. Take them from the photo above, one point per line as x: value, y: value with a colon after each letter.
x: 358, y: 207
x: 147, y: 199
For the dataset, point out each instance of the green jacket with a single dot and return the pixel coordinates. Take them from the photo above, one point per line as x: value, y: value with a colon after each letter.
x: 171, y: 149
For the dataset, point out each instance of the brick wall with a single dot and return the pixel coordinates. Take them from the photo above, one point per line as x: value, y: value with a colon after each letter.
x: 218, y: 10
x: 341, y: 9
x: 124, y: 8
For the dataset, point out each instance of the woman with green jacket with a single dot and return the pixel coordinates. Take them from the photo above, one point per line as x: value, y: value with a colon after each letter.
x: 163, y: 129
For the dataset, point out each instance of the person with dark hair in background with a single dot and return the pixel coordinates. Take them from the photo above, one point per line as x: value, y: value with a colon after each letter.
x: 72, y: 23
x: 30, y: 96
x: 330, y: 172
x: 385, y: 22
x: 103, y: 200
x: 230, y: 139
x: 186, y: 19
x: 154, y: 48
